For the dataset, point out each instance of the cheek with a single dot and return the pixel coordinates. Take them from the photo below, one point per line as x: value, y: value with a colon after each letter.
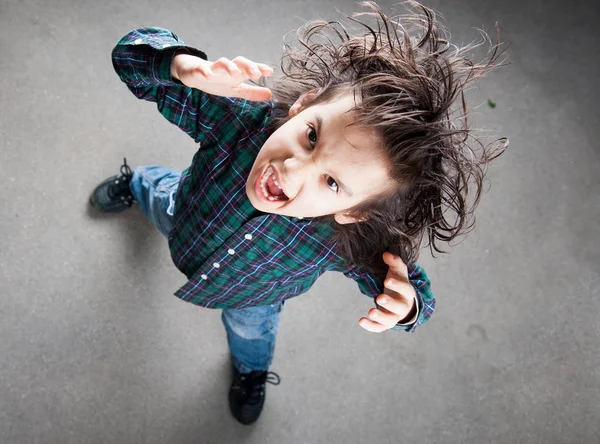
x: 270, y: 148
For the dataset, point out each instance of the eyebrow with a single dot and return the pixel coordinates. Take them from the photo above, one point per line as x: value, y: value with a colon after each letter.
x: 318, y: 126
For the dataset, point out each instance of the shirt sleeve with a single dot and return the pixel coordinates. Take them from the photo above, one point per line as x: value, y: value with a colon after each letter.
x: 142, y: 59
x: 372, y: 286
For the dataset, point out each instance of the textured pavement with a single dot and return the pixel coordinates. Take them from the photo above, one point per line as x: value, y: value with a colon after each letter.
x: 95, y: 349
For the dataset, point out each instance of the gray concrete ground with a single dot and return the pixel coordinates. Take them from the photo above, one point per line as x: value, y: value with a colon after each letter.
x: 95, y: 349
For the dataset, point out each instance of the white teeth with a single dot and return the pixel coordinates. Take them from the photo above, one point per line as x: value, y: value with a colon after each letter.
x: 264, y: 179
x: 263, y: 184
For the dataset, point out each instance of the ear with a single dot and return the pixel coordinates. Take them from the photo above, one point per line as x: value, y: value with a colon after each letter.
x: 303, y: 102
x: 343, y: 218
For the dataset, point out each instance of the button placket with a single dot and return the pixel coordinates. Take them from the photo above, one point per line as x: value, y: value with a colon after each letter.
x: 230, y: 252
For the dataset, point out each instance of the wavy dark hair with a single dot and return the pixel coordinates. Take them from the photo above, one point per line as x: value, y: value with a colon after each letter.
x: 409, y: 83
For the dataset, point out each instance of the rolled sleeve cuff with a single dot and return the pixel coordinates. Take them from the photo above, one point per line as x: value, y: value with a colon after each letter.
x: 412, y: 325
x: 165, y: 45
x: 424, y: 299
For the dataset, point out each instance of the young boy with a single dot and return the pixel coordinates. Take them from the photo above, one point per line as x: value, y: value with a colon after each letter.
x: 356, y: 156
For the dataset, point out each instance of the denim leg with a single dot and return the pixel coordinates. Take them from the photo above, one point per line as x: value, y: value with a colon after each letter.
x: 155, y: 189
x: 251, y: 336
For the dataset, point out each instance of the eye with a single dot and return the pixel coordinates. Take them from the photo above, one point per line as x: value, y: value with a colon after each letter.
x: 332, y: 184
x: 311, y: 135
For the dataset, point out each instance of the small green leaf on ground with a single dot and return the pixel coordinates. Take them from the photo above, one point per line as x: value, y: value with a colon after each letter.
x: 491, y: 104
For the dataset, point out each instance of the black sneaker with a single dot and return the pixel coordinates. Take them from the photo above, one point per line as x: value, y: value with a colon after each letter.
x: 247, y: 394
x: 113, y: 195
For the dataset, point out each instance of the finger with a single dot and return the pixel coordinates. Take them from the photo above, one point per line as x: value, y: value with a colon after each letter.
x: 403, y: 288
x: 371, y: 326
x: 265, y: 69
x: 227, y: 65
x: 203, y: 71
x: 396, y: 265
x: 384, y: 317
x: 399, y: 308
x: 248, y: 66
x: 252, y: 92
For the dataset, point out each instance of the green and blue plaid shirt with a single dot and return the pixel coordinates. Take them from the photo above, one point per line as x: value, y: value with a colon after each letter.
x: 233, y: 255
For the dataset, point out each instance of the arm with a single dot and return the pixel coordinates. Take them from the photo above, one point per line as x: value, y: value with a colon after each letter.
x: 156, y: 66
x: 409, y: 294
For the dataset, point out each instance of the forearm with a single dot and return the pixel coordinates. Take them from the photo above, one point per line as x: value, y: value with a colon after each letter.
x: 143, y: 59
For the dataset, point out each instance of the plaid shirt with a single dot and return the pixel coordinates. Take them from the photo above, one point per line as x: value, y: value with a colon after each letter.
x: 233, y: 255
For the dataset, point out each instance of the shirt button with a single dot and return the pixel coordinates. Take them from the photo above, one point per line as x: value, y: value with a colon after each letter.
x: 216, y: 265
x: 248, y: 236
x: 231, y: 251
x: 204, y: 277
x: 138, y: 41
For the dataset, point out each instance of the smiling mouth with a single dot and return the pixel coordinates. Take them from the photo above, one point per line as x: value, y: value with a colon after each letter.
x: 270, y: 188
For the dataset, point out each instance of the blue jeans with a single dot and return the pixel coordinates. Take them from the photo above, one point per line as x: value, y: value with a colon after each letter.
x: 251, y: 331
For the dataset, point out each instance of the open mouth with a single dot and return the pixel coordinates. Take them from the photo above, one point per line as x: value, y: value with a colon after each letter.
x: 269, y: 188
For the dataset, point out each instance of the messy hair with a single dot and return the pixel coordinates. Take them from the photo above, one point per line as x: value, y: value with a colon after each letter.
x: 409, y: 82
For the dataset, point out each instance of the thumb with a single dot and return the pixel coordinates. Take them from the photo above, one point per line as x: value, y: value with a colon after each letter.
x: 251, y: 92
x: 396, y: 265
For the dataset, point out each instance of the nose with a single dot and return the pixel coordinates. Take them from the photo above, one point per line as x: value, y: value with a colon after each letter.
x: 298, y: 172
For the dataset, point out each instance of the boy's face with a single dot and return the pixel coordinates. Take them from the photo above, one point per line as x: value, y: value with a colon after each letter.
x: 316, y: 165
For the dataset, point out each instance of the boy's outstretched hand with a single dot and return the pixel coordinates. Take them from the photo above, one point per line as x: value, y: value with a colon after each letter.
x: 397, y: 301
x: 222, y: 78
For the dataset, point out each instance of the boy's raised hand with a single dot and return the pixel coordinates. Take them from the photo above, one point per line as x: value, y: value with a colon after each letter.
x: 397, y: 300
x: 222, y: 78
